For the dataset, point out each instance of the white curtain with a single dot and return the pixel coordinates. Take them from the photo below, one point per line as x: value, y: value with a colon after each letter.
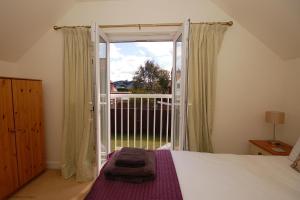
x: 204, y: 44
x: 78, y: 143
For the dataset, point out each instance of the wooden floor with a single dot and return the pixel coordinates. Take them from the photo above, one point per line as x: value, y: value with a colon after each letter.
x: 50, y: 185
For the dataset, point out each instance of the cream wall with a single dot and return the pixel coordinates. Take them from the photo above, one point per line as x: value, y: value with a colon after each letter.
x: 8, y: 69
x: 250, y: 76
x: 291, y: 129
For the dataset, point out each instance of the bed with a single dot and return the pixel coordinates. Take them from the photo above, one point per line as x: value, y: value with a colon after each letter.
x: 234, y: 177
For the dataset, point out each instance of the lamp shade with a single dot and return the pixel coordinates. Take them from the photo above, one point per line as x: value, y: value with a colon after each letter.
x: 275, y: 117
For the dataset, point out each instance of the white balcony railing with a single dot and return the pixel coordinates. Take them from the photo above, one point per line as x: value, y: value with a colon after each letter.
x: 140, y: 120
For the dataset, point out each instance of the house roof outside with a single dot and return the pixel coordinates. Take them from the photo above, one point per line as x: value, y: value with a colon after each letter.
x: 123, y: 84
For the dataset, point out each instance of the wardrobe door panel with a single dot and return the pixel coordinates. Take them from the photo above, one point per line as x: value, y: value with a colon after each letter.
x: 36, y: 126
x: 8, y: 160
x: 22, y: 104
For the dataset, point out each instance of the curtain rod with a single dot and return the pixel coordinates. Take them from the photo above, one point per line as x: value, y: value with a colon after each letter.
x: 229, y: 23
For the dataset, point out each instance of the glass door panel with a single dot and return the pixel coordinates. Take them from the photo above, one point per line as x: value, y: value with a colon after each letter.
x: 176, y: 90
x: 101, y: 103
x: 104, y: 98
x: 179, y: 80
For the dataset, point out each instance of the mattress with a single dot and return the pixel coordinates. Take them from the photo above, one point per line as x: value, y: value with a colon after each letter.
x: 235, y: 177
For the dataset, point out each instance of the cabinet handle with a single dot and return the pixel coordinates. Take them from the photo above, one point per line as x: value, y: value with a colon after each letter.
x: 20, y: 130
x: 11, y: 130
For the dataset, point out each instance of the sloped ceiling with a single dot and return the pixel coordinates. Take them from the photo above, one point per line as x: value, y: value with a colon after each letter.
x: 275, y: 22
x: 23, y: 22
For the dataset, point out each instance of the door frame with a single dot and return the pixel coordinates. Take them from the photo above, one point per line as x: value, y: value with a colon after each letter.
x: 184, y: 33
x: 104, y: 36
x: 184, y: 98
x: 96, y: 33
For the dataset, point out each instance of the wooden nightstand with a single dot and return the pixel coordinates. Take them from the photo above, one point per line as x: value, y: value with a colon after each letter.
x: 264, y: 147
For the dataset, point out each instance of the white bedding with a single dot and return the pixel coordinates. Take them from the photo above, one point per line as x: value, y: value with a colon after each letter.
x: 204, y: 176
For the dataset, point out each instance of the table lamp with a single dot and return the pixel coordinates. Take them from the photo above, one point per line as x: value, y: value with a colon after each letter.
x: 275, y: 117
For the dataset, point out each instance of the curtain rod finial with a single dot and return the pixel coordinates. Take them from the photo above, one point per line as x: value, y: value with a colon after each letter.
x: 56, y: 27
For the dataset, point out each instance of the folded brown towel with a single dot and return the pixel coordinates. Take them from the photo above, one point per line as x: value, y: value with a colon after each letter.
x: 131, y: 157
x: 129, y: 174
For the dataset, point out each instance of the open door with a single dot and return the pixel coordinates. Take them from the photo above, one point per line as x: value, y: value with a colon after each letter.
x: 179, y: 86
x: 101, y: 94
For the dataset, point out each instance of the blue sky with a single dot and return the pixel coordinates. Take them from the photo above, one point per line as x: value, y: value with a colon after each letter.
x: 125, y: 58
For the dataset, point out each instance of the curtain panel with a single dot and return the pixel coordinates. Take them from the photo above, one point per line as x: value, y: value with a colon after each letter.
x: 78, y: 142
x: 204, y: 44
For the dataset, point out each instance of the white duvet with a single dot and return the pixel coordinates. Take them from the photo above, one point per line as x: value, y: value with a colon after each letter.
x: 204, y: 176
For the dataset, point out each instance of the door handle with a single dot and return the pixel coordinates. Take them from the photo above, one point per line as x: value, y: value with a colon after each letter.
x: 91, y: 106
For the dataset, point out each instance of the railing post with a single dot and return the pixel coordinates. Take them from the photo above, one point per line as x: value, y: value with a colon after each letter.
x: 161, y: 115
x: 128, y: 122
x: 115, y: 123
x: 154, y: 121
x: 134, y: 132
x: 141, y: 124
x: 121, y: 122
x: 167, y: 128
x: 147, y: 123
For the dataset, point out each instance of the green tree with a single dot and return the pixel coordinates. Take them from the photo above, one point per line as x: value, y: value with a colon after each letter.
x: 150, y: 78
x: 164, y: 80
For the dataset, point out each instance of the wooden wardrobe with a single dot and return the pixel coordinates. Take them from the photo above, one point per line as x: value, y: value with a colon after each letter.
x: 21, y: 133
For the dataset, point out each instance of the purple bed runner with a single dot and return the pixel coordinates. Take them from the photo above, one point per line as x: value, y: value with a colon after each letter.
x: 164, y: 187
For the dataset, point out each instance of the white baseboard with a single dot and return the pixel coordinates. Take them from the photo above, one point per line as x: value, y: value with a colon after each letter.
x: 53, y: 165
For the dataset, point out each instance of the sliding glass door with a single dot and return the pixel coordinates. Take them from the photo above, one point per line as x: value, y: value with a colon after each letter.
x: 179, y: 84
